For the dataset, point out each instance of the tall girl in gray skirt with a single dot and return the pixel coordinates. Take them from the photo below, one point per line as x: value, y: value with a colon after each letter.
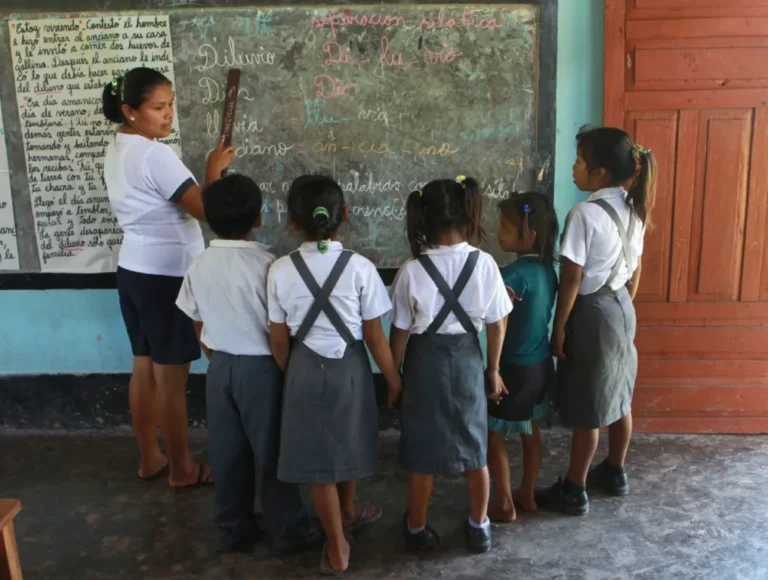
x: 324, y: 301
x: 594, y: 328
x: 441, y: 299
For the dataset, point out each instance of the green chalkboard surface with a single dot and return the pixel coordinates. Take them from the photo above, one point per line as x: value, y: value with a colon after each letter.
x: 382, y: 98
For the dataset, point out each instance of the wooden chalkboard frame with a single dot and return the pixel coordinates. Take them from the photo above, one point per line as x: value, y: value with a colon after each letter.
x: 30, y: 280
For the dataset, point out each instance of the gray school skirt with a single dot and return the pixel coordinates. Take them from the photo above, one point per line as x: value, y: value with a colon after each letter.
x: 330, y: 422
x: 596, y: 380
x: 444, y: 406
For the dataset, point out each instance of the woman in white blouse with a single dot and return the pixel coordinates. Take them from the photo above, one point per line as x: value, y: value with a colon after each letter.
x: 157, y: 203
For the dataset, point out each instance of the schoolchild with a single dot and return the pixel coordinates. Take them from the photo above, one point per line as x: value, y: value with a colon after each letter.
x: 325, y: 306
x: 442, y: 298
x: 225, y: 293
x: 528, y: 227
x: 594, y: 327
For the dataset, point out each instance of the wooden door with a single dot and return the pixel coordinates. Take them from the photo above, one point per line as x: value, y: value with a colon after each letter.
x: 689, y: 80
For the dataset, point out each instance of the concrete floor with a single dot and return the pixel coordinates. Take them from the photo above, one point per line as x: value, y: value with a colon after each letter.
x: 698, y: 509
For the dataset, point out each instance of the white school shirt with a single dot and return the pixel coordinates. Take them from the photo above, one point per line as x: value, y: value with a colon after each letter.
x: 416, y: 301
x: 145, y: 180
x: 226, y: 289
x: 591, y: 240
x: 359, y: 295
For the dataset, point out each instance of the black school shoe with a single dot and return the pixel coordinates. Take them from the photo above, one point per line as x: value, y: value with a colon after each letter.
x: 308, y: 536
x: 478, y: 539
x: 609, y: 478
x: 565, y: 497
x: 426, y: 540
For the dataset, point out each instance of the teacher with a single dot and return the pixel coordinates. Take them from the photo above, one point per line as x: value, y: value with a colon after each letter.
x: 157, y: 204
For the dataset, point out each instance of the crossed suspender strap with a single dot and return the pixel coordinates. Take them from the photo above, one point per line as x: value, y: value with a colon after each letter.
x: 451, y: 295
x: 625, y: 236
x: 322, y: 296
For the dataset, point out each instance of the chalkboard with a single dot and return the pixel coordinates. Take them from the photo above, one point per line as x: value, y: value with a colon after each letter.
x: 383, y: 98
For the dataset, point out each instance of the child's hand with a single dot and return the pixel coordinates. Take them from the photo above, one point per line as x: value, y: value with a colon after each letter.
x: 558, y: 342
x: 496, y: 388
x: 512, y: 296
x: 220, y: 159
x: 394, y: 389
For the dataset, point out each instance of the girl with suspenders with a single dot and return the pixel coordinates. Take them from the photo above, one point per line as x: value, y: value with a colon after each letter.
x: 594, y: 328
x: 323, y: 302
x: 441, y: 299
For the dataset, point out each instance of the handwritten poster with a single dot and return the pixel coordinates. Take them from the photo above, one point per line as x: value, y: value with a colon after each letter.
x: 60, y: 68
x: 9, y: 252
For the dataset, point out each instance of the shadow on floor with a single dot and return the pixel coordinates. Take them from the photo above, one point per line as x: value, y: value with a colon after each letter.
x: 698, y: 509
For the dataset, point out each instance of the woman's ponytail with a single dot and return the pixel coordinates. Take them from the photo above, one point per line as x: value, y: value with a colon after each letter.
x: 111, y: 104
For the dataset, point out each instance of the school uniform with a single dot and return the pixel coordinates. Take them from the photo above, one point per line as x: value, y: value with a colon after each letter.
x: 596, y: 380
x: 330, y: 416
x: 443, y: 298
x: 145, y: 180
x: 226, y: 289
x: 526, y: 358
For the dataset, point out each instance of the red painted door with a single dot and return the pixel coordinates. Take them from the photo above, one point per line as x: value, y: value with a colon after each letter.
x: 689, y: 80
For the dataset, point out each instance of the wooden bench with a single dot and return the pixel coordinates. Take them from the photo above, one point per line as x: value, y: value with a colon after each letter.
x: 10, y: 566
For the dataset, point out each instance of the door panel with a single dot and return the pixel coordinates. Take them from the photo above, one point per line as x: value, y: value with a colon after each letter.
x: 688, y: 79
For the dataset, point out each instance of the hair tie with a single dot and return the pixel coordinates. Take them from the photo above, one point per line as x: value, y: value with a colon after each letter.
x: 640, y: 150
x: 461, y: 179
x: 320, y: 211
x: 114, y: 86
x: 420, y: 192
x: 526, y: 209
x: 323, y: 246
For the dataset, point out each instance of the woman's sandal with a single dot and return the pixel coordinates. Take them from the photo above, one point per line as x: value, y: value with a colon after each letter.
x: 202, y: 479
x: 157, y: 474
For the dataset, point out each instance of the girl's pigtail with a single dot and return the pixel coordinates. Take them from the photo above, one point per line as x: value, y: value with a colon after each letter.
x: 473, y: 208
x: 642, y: 194
x: 415, y: 226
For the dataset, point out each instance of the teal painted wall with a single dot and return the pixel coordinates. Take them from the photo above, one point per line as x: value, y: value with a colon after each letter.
x: 81, y: 331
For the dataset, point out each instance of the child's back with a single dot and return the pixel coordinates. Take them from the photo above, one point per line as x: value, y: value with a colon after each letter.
x: 535, y: 285
x: 225, y: 292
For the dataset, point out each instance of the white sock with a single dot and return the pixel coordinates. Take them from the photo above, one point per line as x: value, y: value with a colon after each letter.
x: 484, y: 525
x: 415, y: 531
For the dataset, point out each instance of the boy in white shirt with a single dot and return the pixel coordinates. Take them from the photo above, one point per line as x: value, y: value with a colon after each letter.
x: 225, y: 293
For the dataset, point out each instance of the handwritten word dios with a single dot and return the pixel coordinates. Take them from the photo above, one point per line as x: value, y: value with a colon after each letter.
x: 214, y: 93
x: 329, y: 87
x: 231, y: 56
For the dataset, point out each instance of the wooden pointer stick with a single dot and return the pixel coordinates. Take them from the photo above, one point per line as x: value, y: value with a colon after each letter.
x: 230, y: 104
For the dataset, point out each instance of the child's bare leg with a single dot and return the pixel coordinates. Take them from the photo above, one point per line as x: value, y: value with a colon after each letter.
x: 583, y: 447
x: 347, y: 491
x: 502, y: 508
x: 619, y: 435
x: 479, y: 489
x: 326, y: 499
x: 524, y: 495
x: 419, y: 491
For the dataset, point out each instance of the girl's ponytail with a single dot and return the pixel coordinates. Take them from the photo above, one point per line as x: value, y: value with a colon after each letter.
x: 415, y: 225
x: 642, y: 193
x: 473, y: 208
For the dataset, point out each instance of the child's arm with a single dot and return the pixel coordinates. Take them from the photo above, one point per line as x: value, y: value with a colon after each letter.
x: 398, y: 339
x: 495, y: 332
x: 199, y: 334
x: 570, y: 280
x: 634, y: 282
x: 374, y: 337
x: 280, y: 343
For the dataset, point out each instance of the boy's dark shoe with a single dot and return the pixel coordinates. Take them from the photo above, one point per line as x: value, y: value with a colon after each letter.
x: 478, y: 539
x: 609, y: 478
x: 565, y: 497
x: 426, y: 540
x: 306, y: 537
